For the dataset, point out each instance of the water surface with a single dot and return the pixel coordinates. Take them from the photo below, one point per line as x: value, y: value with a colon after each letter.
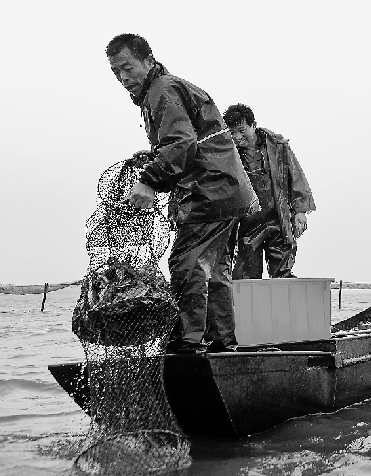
x: 41, y: 426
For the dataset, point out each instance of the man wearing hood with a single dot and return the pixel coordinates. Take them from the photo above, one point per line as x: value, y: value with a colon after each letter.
x: 194, y: 153
x: 284, y: 197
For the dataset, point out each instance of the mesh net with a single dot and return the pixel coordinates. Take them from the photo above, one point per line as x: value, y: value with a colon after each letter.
x: 123, y: 318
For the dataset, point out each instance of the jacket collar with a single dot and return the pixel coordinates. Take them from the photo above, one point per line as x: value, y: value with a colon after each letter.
x: 157, y: 70
x: 261, y: 140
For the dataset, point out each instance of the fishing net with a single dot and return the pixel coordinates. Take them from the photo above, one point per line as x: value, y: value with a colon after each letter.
x: 123, y: 318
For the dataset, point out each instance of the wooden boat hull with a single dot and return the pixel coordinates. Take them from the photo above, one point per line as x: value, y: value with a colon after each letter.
x: 245, y: 393
x: 237, y: 394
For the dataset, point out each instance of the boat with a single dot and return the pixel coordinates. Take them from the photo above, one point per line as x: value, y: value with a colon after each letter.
x: 236, y: 394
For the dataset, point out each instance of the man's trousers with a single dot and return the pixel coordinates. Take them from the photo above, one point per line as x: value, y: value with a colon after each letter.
x: 260, y: 233
x: 200, y: 276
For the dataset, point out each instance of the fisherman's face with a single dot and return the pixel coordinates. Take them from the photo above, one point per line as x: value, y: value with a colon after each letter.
x: 241, y: 134
x: 130, y: 70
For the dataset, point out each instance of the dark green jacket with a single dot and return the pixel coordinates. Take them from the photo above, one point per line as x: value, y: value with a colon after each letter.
x: 214, y: 185
x: 291, y: 190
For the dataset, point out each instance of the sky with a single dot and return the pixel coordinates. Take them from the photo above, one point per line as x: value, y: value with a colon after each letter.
x: 303, y: 67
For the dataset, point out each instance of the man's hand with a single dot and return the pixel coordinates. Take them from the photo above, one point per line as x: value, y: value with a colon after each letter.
x: 143, y: 157
x: 141, y: 196
x: 300, y: 224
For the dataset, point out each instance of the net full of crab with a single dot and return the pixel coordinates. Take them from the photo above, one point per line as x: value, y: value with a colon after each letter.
x: 123, y: 318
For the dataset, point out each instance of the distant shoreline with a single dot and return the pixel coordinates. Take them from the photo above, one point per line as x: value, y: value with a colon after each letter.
x: 349, y: 285
x: 39, y: 288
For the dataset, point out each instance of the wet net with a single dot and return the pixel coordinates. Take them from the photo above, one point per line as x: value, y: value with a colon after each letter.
x: 123, y: 318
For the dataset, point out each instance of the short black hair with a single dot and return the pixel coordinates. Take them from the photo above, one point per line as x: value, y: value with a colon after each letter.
x: 136, y: 44
x: 236, y: 113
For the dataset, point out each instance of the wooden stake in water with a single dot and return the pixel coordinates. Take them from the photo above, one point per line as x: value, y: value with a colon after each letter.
x: 44, y: 298
x: 340, y: 287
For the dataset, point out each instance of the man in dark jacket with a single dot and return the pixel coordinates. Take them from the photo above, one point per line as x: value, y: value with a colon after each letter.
x: 284, y: 196
x: 195, y: 154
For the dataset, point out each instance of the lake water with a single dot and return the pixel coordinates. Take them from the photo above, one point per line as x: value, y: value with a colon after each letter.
x: 40, y: 425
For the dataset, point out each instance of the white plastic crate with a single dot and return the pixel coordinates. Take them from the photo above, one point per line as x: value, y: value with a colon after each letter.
x: 282, y: 310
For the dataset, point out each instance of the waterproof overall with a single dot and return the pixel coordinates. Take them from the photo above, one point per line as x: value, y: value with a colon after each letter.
x: 200, y: 269
x: 281, y: 186
x: 194, y: 152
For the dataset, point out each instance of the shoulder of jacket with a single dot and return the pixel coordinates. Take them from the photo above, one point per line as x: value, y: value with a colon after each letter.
x: 273, y: 136
x: 165, y: 86
x: 168, y: 81
x: 171, y: 83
